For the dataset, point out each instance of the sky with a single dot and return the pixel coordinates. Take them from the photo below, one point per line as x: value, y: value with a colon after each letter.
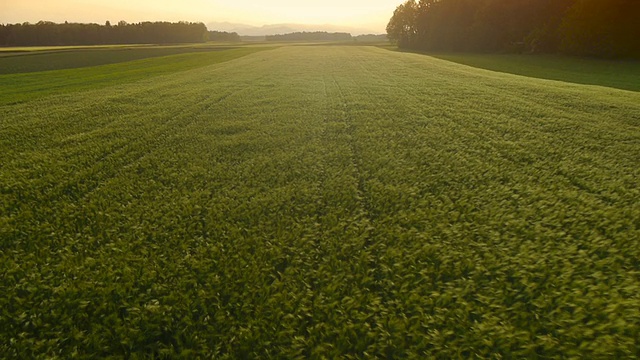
x: 364, y: 13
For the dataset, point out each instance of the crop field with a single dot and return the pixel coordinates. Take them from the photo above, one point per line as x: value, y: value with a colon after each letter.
x: 12, y: 62
x: 318, y: 202
x: 20, y: 87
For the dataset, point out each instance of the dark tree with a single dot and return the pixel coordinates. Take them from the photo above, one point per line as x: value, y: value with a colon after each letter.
x: 603, y: 27
x: 403, y: 26
x: 587, y: 27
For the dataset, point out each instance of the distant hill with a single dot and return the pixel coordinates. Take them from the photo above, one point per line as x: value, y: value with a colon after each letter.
x: 279, y: 29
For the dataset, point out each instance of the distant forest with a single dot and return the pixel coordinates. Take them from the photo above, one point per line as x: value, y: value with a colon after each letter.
x: 46, y: 33
x: 311, y: 36
x: 224, y: 36
x: 325, y: 36
x: 603, y: 28
x: 371, y: 38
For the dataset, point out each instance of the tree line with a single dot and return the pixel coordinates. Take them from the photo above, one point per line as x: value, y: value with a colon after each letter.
x: 327, y: 36
x: 604, y: 28
x: 224, y: 36
x: 45, y: 33
x: 311, y: 36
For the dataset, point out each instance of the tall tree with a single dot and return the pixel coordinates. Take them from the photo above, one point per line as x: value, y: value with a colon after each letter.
x: 402, y: 28
x: 587, y: 27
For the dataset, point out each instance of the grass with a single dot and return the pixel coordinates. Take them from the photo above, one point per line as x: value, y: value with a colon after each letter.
x: 617, y: 74
x: 309, y: 202
x: 50, y: 59
x: 16, y: 88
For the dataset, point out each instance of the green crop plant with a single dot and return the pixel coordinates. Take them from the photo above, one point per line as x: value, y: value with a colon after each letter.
x: 320, y: 202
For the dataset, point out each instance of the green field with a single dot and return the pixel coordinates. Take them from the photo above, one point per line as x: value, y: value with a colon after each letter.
x: 619, y: 74
x: 21, y: 87
x: 317, y: 202
x: 44, y: 59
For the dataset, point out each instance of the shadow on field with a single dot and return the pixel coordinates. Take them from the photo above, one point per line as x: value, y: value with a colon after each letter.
x: 619, y: 74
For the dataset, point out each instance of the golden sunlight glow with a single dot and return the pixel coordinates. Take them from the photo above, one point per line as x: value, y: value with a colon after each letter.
x: 372, y: 13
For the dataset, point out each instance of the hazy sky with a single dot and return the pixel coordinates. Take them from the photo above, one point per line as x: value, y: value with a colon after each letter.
x: 372, y: 13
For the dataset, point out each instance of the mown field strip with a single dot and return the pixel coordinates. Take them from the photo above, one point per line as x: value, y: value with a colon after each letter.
x: 322, y: 201
x: 83, y: 74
